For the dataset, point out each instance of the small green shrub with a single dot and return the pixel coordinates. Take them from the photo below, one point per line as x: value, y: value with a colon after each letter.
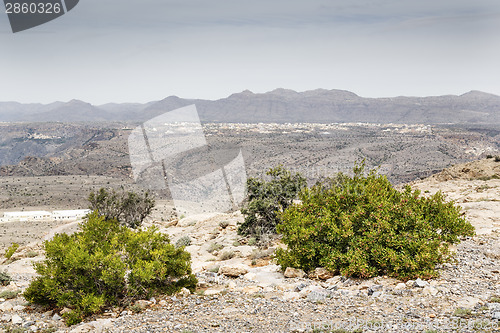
x: 224, y: 224
x: 215, y: 247
x: 361, y: 226
x: 266, y: 199
x: 214, y: 269
x: 5, y: 278
x: 497, y: 158
x: 494, y: 299
x: 183, y: 241
x: 128, y: 208
x: 107, y: 264
x: 462, y: 312
x: 31, y: 254
x: 226, y: 255
x: 11, y: 250
x: 489, y: 156
x: 135, y: 308
x: 252, y: 241
x: 9, y: 294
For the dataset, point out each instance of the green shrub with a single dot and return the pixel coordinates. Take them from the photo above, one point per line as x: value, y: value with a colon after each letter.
x: 224, y: 224
x: 106, y: 264
x: 9, y: 294
x: 226, y: 255
x: 361, y: 226
x: 11, y: 250
x: 31, y: 254
x: 128, y: 208
x: 5, y: 278
x: 267, y: 198
x: 462, y: 312
x: 215, y: 247
x: 497, y: 158
x: 183, y: 241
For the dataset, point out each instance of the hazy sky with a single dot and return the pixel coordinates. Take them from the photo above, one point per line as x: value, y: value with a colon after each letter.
x: 137, y: 51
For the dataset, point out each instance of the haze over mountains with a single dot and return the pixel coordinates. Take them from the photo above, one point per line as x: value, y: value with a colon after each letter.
x: 278, y: 106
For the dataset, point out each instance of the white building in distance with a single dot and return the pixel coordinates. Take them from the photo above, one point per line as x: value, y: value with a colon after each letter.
x: 57, y: 215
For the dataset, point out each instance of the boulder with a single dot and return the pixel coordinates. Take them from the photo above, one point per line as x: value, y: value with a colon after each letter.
x: 233, y: 270
x: 291, y: 272
x: 323, y: 274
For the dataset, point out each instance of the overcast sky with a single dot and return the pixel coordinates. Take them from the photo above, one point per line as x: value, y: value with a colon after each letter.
x: 138, y: 51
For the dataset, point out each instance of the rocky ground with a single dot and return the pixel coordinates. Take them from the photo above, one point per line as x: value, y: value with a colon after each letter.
x: 241, y: 289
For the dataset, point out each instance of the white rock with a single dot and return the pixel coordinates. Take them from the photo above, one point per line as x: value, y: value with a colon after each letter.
x: 421, y: 283
x: 18, y: 308
x: 400, y: 286
x: 294, y: 273
x: 288, y: 296
x: 6, y: 306
x: 183, y: 292
x: 143, y: 303
x: 228, y: 311
x: 211, y: 292
x: 429, y: 290
x: 16, y: 320
x: 234, y: 270
x: 468, y: 302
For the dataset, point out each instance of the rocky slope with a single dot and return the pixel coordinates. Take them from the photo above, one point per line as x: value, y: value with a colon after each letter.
x: 242, y: 290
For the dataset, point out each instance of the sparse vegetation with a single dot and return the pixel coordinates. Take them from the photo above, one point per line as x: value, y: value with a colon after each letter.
x: 361, y: 226
x: 107, y: 264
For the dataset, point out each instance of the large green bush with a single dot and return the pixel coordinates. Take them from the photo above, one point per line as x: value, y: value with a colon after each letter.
x: 362, y: 226
x: 267, y: 198
x: 106, y: 264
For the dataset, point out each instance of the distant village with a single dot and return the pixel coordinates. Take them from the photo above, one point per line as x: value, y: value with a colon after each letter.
x: 56, y: 215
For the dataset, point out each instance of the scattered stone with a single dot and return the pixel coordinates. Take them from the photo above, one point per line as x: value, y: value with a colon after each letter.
x: 294, y: 273
x: 495, y: 316
x: 56, y: 317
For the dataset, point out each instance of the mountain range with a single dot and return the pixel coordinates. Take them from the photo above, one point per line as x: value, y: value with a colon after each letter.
x: 277, y: 106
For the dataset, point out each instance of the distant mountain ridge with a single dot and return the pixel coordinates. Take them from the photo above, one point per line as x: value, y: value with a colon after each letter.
x: 280, y: 106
